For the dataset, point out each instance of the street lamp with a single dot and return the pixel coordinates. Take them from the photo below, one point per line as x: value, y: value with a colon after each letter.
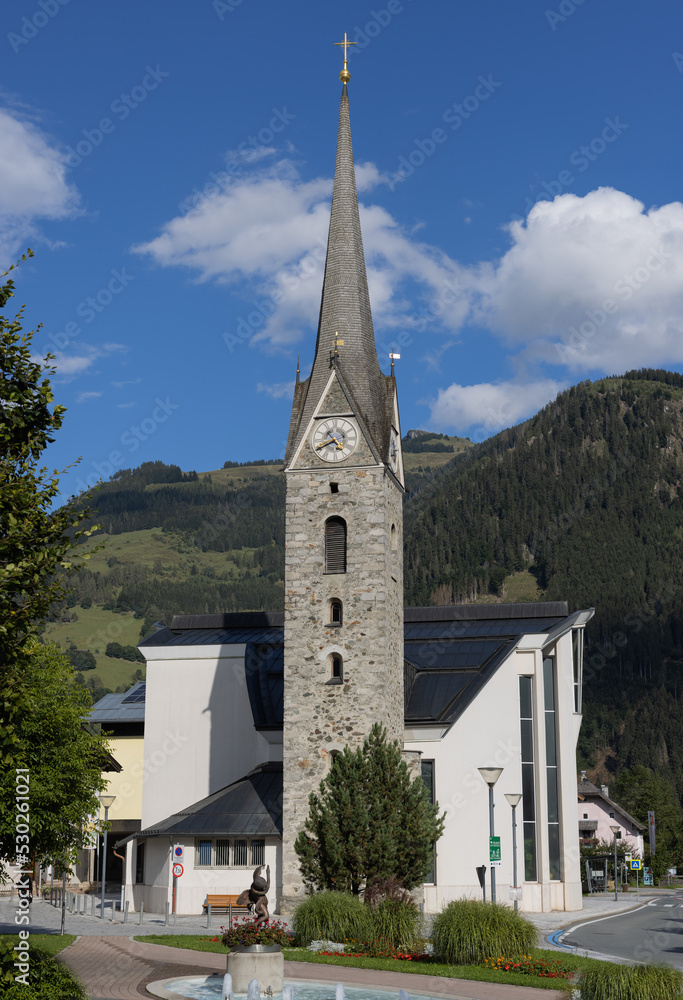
x: 107, y: 801
x: 514, y: 800
x: 615, y: 831
x: 491, y: 776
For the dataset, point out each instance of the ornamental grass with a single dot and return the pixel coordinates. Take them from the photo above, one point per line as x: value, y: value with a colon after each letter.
x: 631, y: 982
x: 398, y: 921
x: 467, y: 932
x: 331, y: 916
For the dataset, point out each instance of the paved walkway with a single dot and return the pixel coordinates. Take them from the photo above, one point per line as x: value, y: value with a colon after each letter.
x: 112, y: 966
x: 119, y: 969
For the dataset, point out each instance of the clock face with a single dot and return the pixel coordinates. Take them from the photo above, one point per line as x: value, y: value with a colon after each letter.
x: 394, y: 447
x: 334, y: 439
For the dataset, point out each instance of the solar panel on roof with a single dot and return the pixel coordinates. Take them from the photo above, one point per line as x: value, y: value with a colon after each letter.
x: 136, y: 695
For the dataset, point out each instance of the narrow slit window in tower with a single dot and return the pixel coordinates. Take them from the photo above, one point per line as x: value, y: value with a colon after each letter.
x: 336, y: 613
x: 334, y: 487
x: 335, y: 545
x: 337, y: 669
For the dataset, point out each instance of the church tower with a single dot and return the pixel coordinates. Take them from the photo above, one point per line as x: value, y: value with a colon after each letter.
x: 343, y: 667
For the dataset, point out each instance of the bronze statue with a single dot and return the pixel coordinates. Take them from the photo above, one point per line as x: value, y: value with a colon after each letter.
x: 254, y: 898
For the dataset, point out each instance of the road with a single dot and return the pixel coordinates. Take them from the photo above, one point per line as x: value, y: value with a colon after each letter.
x: 654, y: 933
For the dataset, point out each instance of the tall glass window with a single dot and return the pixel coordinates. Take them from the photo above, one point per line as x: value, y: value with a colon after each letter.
x: 551, y: 767
x: 203, y: 856
x: 240, y: 854
x: 526, y: 714
x: 428, y: 781
x: 577, y: 657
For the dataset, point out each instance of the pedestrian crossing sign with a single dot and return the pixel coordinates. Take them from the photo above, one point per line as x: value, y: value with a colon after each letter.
x: 636, y: 864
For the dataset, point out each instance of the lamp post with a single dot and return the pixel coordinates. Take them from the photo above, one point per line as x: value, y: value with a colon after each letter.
x: 615, y: 831
x: 107, y: 801
x: 514, y: 800
x: 491, y: 776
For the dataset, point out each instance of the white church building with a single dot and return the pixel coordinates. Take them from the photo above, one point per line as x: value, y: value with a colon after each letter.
x: 245, y: 711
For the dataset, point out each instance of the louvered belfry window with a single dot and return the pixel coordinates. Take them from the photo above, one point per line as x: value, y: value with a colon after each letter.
x: 335, y: 545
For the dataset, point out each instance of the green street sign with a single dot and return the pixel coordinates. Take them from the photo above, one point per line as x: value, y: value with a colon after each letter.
x: 494, y: 848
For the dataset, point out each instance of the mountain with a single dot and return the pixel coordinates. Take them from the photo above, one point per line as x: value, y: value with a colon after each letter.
x: 172, y: 542
x: 582, y: 503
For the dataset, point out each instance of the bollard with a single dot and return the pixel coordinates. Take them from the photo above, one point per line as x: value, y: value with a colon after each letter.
x: 113, y: 911
x: 125, y: 914
x: 230, y: 915
x: 142, y: 907
x: 166, y: 915
x: 208, y: 915
x: 11, y: 893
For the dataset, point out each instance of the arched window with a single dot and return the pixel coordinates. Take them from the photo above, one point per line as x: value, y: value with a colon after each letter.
x: 336, y: 612
x: 335, y: 545
x: 337, y: 668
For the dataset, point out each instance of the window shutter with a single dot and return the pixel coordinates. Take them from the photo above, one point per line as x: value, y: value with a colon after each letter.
x: 335, y: 545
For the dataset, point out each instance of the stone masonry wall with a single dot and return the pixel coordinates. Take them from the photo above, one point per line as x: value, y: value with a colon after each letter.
x: 321, y: 716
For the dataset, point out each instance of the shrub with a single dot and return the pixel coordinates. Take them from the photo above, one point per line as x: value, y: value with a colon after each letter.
x: 331, y: 916
x: 47, y: 978
x: 467, y: 932
x: 628, y: 982
x: 398, y: 921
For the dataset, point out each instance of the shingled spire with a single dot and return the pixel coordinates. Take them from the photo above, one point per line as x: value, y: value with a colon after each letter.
x: 346, y: 337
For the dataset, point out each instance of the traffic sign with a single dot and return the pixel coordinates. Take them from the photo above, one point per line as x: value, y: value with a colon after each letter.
x: 494, y: 851
x: 178, y: 850
x: 177, y: 871
x: 636, y: 864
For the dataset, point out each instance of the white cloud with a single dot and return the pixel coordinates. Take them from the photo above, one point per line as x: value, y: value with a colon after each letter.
x: 33, y: 183
x: 589, y: 285
x: 490, y: 406
x: 277, y: 390
x: 593, y: 283
x: 83, y: 397
x: 125, y: 406
x: 269, y: 230
x: 70, y: 366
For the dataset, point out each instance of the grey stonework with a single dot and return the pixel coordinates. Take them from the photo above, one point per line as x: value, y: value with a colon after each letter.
x: 321, y: 716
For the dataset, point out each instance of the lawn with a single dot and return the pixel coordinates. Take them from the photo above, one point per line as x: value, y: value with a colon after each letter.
x: 51, y: 944
x: 211, y: 942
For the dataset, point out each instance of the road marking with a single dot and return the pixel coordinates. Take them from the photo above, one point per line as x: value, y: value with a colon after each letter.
x: 668, y: 905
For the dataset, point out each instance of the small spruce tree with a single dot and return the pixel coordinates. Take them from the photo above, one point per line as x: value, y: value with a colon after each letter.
x: 370, y: 820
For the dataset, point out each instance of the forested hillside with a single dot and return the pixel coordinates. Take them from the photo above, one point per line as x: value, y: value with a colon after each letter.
x: 586, y: 497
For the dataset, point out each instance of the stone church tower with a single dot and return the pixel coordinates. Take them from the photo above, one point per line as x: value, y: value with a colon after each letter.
x: 343, y: 668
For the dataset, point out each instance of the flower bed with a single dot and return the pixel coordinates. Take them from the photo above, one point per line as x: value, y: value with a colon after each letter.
x: 247, y: 932
x: 542, y: 967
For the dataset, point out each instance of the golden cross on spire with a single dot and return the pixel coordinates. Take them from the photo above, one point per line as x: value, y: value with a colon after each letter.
x: 345, y: 76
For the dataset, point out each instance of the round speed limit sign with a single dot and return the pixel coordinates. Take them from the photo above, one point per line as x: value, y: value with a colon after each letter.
x: 178, y: 870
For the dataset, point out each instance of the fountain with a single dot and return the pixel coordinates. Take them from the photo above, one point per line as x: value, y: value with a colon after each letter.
x: 221, y: 988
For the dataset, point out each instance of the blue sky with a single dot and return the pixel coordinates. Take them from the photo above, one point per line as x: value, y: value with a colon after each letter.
x: 171, y: 166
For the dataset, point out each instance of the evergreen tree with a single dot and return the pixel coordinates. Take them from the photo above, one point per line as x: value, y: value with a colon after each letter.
x: 369, y: 821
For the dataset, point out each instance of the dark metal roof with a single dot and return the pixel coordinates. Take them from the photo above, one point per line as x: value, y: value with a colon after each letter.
x: 250, y: 807
x: 128, y: 706
x: 450, y: 652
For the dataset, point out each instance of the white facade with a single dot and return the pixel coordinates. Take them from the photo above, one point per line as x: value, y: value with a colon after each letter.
x: 199, y: 730
x: 488, y: 734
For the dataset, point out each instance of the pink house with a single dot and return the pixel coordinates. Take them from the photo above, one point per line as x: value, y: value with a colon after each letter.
x: 598, y: 814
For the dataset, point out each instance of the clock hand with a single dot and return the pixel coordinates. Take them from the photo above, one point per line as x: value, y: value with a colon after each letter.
x: 329, y: 441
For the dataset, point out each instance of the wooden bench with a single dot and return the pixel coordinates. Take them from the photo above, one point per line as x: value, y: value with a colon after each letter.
x: 227, y: 902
